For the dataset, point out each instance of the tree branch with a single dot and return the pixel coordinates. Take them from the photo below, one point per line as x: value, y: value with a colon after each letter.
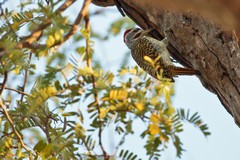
x: 20, y: 92
x: 4, y: 82
x: 13, y: 128
x: 27, y: 42
x: 83, y: 13
x: 103, y: 3
x: 72, y: 30
x: 197, y: 43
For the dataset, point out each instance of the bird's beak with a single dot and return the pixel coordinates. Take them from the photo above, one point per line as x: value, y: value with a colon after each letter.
x: 146, y: 31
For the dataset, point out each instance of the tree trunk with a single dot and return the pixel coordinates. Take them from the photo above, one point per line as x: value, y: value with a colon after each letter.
x: 195, y: 42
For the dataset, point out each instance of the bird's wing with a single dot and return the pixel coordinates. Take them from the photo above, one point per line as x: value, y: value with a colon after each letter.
x: 161, y: 49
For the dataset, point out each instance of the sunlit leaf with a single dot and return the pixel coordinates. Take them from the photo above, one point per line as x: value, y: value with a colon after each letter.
x: 50, y: 41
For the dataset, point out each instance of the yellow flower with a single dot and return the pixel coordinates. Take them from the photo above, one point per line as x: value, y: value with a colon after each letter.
x: 154, y: 118
x: 139, y: 106
x: 154, y: 129
x: 103, y: 112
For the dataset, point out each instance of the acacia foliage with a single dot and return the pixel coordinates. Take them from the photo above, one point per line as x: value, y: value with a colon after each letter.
x: 53, y: 103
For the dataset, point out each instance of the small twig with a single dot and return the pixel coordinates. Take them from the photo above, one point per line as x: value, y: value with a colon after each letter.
x: 46, y: 131
x: 26, y: 77
x: 121, y: 141
x: 15, y: 90
x: 1, y: 9
x: 45, y: 120
x: 13, y: 128
x: 4, y: 82
x: 64, y: 6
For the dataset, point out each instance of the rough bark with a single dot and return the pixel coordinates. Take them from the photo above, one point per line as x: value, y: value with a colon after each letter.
x: 198, y: 43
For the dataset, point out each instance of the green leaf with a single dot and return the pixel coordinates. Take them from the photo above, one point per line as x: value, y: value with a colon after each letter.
x: 178, y: 144
x: 66, y: 114
x: 40, y: 146
x: 81, y: 50
x: 127, y: 155
x: 195, y: 120
x: 6, y: 127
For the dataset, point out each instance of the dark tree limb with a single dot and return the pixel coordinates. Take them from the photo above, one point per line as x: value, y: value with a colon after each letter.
x: 198, y: 43
x: 103, y: 3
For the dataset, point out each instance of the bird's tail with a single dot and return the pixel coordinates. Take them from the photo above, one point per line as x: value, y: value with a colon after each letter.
x: 184, y: 71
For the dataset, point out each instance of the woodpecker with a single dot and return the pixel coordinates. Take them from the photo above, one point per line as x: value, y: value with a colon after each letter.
x: 152, y: 55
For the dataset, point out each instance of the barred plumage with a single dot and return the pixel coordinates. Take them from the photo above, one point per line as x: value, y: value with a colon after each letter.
x: 152, y: 55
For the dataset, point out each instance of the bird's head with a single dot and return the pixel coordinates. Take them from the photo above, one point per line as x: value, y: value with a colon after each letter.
x: 131, y: 35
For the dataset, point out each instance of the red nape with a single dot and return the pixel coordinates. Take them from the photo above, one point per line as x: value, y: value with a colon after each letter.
x: 125, y: 33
